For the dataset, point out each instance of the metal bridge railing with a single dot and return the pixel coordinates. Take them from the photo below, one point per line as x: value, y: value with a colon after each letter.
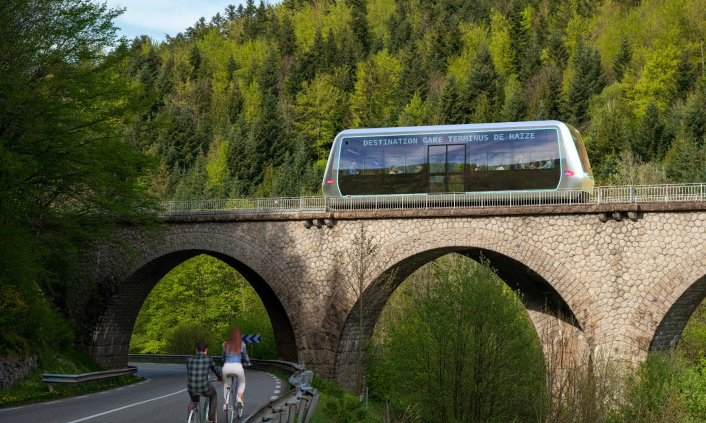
x: 291, y: 205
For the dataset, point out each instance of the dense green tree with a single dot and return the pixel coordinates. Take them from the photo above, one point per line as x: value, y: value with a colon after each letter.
x: 412, y: 80
x: 519, y: 35
x: 462, y: 345
x: 587, y: 81
x: 321, y: 112
x: 62, y: 161
x: 685, y: 75
x: 271, y: 131
x: 649, y: 139
x: 556, y: 52
x: 623, y: 59
x: 373, y: 100
x: 453, y: 110
x: 482, y: 88
x: 514, y: 108
x: 359, y: 22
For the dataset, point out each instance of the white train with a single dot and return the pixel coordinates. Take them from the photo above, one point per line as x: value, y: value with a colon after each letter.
x: 532, y: 157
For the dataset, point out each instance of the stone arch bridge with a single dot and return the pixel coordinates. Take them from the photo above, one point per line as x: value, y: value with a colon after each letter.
x: 626, y: 278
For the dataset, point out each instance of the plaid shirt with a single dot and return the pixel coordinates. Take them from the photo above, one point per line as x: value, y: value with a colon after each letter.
x: 197, y: 371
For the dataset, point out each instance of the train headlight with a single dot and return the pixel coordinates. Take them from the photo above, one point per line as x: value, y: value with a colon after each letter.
x: 568, y: 173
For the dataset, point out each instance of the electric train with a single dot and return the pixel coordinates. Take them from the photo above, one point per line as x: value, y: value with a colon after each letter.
x: 535, y: 158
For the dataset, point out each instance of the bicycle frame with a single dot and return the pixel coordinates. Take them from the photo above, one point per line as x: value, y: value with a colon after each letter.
x: 230, y: 400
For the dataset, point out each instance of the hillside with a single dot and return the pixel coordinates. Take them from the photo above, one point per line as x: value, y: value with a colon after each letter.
x: 248, y: 102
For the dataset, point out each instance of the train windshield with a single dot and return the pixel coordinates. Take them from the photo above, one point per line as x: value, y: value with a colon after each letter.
x: 463, y: 161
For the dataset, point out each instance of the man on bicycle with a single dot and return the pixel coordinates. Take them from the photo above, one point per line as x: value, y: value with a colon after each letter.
x: 197, y: 384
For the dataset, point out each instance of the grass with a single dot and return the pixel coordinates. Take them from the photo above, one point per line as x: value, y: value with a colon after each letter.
x: 32, y: 390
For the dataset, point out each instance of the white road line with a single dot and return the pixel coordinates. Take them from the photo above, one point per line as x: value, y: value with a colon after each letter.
x: 124, y: 407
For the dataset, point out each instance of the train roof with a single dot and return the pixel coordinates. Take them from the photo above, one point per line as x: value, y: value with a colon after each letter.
x: 452, y: 128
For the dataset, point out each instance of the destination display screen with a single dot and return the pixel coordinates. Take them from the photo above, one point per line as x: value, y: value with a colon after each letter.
x: 527, y: 135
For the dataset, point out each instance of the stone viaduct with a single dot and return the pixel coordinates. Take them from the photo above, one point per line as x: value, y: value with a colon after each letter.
x: 624, y: 278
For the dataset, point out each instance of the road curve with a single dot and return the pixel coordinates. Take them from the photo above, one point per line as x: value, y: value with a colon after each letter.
x: 160, y: 398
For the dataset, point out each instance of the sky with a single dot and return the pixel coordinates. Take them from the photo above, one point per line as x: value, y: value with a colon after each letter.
x: 158, y: 17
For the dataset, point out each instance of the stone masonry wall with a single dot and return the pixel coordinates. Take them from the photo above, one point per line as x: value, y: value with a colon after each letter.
x: 619, y: 278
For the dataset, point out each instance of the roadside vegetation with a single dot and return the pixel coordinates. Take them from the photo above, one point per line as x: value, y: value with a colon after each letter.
x: 32, y: 389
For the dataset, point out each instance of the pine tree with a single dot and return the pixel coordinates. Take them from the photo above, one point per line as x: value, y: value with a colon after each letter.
x: 587, y: 81
x: 556, y: 50
x: 412, y: 80
x: 685, y: 75
x: 648, y: 139
x: 518, y: 35
x: 359, y: 22
x: 451, y: 103
x: 482, y: 81
x: 195, y: 60
x: 271, y: 129
x: 622, y: 59
x: 231, y: 67
x: 286, y: 38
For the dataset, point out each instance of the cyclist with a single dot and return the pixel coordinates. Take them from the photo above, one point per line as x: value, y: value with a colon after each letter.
x: 233, y: 349
x: 197, y: 383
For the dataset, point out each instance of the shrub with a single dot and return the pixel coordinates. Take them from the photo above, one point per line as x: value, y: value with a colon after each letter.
x: 182, y: 340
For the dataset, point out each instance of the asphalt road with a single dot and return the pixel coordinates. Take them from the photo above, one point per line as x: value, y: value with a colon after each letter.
x: 161, y: 397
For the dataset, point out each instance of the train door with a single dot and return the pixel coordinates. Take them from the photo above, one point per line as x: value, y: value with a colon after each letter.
x: 447, y: 164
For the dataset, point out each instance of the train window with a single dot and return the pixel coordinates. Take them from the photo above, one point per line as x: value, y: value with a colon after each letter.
x: 543, y: 159
x: 499, y: 161
x: 413, y: 164
x: 521, y: 161
x: 477, y: 162
x: 372, y: 166
x: 457, y: 158
x: 394, y: 164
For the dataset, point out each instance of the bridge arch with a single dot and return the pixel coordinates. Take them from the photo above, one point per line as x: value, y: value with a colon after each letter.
x: 668, y: 305
x: 553, y: 295
x: 125, y: 290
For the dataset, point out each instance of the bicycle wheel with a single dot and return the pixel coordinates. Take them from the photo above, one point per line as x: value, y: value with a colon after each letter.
x: 240, y: 409
x: 229, y: 407
x: 194, y: 416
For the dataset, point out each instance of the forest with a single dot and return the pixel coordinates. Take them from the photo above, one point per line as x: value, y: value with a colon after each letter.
x: 246, y: 103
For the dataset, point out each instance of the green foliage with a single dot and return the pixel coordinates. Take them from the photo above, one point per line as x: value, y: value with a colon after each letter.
x: 692, y: 343
x: 265, y: 77
x: 346, y: 409
x: 68, y: 132
x: 201, y: 298
x: 653, y: 392
x: 32, y: 389
x: 183, y: 339
x: 462, y: 346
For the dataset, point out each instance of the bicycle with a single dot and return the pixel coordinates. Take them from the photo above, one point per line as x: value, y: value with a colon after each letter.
x: 197, y: 415
x: 231, y: 392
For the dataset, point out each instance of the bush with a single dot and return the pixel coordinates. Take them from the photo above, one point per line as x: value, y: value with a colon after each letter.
x: 183, y: 339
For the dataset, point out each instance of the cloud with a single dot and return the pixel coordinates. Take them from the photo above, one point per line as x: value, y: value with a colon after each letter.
x: 158, y: 17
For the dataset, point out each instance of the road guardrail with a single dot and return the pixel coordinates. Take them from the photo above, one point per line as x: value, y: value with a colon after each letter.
x: 50, y: 378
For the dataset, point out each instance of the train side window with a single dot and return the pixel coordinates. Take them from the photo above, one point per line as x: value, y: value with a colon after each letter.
x: 413, y: 164
x: 394, y: 164
x: 373, y: 166
x: 499, y: 161
x: 521, y: 161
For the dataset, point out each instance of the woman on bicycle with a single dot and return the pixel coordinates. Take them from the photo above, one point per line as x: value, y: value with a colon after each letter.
x: 233, y: 349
